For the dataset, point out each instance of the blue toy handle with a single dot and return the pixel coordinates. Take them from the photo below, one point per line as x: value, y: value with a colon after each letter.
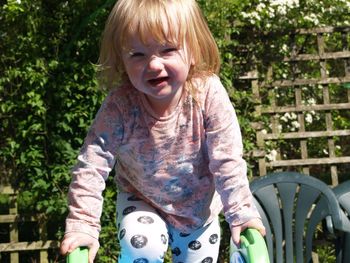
x: 237, y: 257
x: 79, y: 255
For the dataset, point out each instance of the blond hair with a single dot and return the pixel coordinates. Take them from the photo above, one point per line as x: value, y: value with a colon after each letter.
x: 146, y: 18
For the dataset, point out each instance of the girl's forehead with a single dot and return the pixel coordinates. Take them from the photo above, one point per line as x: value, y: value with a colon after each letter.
x: 151, y: 39
x: 157, y: 35
x: 165, y: 26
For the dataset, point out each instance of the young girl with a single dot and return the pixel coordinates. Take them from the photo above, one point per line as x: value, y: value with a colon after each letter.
x: 171, y: 133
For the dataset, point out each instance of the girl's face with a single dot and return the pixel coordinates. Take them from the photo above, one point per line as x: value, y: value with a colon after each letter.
x: 157, y: 70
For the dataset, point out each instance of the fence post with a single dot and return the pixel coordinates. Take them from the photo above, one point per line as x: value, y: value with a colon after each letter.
x: 14, y: 225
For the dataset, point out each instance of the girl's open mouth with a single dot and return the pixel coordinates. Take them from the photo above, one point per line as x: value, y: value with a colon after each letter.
x: 158, y: 81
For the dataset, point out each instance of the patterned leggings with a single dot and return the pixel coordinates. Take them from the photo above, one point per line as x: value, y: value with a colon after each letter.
x: 144, y: 236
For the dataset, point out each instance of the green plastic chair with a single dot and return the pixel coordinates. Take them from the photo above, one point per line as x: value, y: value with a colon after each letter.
x: 292, y: 205
x: 342, y: 192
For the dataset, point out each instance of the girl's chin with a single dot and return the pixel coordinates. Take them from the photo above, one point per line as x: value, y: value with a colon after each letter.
x: 161, y: 95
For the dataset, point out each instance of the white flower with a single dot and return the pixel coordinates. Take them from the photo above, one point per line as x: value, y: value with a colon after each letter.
x: 284, y: 118
x: 313, y: 19
x: 293, y: 116
x: 270, y: 12
x: 285, y: 2
x: 260, y: 7
x: 288, y: 116
x: 255, y: 15
x: 244, y: 15
x: 295, y: 124
x: 282, y: 9
x: 271, y: 156
x: 284, y: 47
x: 308, y: 118
x: 311, y: 101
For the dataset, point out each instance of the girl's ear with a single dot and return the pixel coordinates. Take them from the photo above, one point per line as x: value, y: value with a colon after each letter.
x: 192, y: 59
x: 193, y: 62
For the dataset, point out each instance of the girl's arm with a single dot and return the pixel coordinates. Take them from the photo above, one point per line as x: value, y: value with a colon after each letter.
x: 95, y: 161
x: 225, y: 149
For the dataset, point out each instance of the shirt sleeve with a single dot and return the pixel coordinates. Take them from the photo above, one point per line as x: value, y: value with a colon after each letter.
x: 225, y: 149
x: 95, y: 161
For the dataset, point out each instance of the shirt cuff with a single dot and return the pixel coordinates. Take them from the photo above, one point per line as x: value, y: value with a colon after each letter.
x: 82, y: 227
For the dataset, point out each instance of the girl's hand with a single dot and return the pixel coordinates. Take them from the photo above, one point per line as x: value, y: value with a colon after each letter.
x: 253, y: 223
x: 75, y: 239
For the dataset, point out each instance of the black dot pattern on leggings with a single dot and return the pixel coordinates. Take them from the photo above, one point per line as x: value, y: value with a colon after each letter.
x: 145, y: 220
x: 163, y: 238
x: 184, y: 234
x: 141, y: 260
x: 129, y: 210
x: 138, y: 241
x: 176, y: 251
x: 207, y: 260
x: 213, y: 238
x: 195, y: 245
x: 133, y: 198
x: 171, y: 239
x: 122, y: 233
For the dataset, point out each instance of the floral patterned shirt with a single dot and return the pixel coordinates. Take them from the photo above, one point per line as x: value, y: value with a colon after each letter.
x: 187, y: 165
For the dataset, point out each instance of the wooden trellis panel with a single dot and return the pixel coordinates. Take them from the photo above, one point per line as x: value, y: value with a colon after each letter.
x: 301, y: 110
x: 14, y: 246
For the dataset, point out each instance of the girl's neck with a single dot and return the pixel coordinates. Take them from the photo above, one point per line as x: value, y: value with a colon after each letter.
x: 164, y: 108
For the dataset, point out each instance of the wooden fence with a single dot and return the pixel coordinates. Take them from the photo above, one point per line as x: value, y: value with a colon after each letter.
x: 16, y: 243
x: 301, y: 110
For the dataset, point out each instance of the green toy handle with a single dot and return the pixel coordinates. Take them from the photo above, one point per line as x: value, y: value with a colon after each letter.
x: 253, y: 247
x: 79, y: 255
x: 253, y: 241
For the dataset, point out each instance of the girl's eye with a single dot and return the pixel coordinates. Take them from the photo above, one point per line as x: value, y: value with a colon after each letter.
x: 170, y: 50
x: 136, y: 54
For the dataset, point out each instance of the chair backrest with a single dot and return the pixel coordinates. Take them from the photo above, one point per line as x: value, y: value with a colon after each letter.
x: 342, y: 192
x: 292, y: 205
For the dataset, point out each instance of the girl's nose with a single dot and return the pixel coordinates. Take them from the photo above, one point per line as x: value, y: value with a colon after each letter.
x: 155, y: 63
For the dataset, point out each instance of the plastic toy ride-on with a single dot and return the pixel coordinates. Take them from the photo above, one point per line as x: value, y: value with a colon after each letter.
x: 252, y: 250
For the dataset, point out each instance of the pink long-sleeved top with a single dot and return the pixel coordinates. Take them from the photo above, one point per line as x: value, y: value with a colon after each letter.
x: 187, y: 165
